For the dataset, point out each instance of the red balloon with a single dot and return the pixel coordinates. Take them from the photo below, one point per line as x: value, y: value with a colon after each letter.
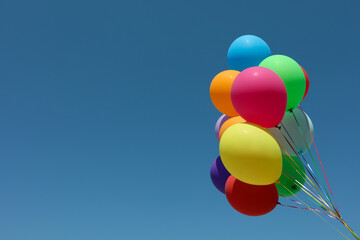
x: 251, y: 200
x: 307, y: 82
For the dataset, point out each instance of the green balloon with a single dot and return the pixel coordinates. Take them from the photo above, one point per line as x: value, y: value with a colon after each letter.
x: 291, y: 74
x: 293, y: 169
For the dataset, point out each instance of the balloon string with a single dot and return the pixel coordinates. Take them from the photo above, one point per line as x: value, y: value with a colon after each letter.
x: 307, y: 147
x: 296, y: 152
x: 319, y: 197
x: 306, y: 178
x: 282, y: 125
x: 307, y: 167
x: 318, y: 155
x: 306, y: 190
x: 312, y: 185
x: 352, y: 232
x: 305, y: 208
x: 298, y: 202
x: 318, y: 214
x: 312, y: 174
x: 333, y: 216
x: 312, y: 195
x: 303, y: 175
x: 319, y: 159
x: 323, y: 191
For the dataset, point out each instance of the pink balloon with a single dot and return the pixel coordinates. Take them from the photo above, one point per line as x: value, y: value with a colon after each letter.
x: 259, y: 96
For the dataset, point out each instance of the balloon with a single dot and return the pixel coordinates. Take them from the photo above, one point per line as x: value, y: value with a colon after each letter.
x: 247, y: 51
x: 292, y: 75
x: 220, y: 92
x: 249, y: 199
x: 219, y: 174
x: 293, y: 170
x: 251, y: 154
x: 229, y: 123
x: 259, y: 96
x: 307, y: 82
x: 300, y: 139
x: 219, y: 123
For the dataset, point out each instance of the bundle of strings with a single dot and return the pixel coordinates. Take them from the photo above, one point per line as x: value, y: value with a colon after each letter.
x: 312, y: 185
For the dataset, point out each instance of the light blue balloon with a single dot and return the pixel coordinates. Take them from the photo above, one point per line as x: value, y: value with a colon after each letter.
x: 247, y: 51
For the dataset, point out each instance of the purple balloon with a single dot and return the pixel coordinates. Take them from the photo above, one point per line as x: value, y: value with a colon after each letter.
x: 219, y: 174
x: 219, y: 123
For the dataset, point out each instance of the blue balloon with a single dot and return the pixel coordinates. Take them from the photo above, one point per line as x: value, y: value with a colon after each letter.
x: 247, y: 51
x: 219, y: 174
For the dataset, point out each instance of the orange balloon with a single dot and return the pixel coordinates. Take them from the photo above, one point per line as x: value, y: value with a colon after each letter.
x: 229, y: 123
x: 220, y: 92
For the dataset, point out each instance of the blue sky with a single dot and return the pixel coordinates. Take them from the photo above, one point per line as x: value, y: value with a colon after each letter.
x: 106, y: 124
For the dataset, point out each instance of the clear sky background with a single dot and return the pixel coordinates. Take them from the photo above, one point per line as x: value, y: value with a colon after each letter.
x: 106, y: 124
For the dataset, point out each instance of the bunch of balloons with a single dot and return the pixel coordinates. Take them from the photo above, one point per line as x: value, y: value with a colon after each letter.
x: 265, y: 136
x: 262, y: 133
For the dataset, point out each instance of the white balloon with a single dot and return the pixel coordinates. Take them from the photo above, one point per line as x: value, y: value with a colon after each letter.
x: 289, y: 129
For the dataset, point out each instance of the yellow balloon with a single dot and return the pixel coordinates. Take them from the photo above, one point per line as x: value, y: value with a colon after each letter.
x: 251, y: 154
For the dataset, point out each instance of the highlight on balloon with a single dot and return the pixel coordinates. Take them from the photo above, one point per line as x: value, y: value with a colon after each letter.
x: 267, y: 154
